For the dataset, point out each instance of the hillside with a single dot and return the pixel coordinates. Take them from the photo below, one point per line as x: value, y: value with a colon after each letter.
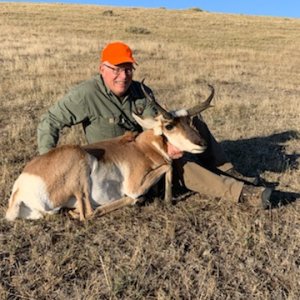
x: 199, y: 248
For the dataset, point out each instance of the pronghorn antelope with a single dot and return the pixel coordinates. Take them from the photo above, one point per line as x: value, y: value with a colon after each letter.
x: 109, y: 174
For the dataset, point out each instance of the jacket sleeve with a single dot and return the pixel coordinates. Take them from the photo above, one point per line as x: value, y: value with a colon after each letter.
x: 68, y: 111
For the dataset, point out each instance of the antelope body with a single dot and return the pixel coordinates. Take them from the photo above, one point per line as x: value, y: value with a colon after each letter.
x: 106, y: 175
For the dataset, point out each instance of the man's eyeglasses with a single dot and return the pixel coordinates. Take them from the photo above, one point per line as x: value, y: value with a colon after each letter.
x: 118, y: 70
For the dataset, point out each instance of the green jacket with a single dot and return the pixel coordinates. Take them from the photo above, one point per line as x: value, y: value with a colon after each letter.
x: 100, y: 112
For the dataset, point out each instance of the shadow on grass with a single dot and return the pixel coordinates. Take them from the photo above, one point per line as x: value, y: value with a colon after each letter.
x: 280, y: 198
x: 256, y: 155
x: 259, y: 154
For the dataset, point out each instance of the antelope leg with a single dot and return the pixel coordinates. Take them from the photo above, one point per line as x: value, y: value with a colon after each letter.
x: 140, y: 185
x: 111, y: 206
x: 168, y: 185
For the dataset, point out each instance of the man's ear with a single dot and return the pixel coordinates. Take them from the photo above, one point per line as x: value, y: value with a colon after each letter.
x: 149, y: 123
x: 100, y: 68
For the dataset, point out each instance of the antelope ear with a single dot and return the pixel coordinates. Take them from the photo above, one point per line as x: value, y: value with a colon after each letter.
x: 149, y: 123
x: 146, y: 123
x: 157, y: 130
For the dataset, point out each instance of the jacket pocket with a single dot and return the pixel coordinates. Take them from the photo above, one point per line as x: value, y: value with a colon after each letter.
x: 102, y: 128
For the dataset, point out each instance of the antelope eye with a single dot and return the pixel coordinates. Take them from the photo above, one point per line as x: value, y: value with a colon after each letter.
x: 169, y: 127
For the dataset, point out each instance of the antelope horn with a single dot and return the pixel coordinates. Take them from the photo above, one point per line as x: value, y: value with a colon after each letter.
x: 164, y: 113
x: 202, y: 106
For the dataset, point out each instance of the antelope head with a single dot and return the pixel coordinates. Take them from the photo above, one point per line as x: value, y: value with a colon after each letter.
x: 175, y: 126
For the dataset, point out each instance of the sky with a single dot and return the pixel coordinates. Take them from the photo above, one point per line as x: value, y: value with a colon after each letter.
x: 276, y: 8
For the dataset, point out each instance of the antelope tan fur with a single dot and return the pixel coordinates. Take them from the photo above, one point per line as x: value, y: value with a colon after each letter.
x: 101, y: 177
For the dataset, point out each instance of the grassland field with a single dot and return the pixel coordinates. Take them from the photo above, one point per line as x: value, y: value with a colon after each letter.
x: 200, y: 247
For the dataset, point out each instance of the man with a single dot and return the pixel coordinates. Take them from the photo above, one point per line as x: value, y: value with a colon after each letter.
x: 103, y: 105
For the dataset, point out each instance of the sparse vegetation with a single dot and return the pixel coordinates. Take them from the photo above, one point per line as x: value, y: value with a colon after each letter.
x: 108, y: 12
x: 196, y: 9
x: 200, y: 248
x: 137, y: 30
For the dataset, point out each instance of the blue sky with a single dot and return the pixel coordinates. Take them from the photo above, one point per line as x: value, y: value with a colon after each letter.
x: 278, y: 8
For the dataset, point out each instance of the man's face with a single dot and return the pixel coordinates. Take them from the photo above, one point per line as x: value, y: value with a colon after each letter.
x: 117, y: 78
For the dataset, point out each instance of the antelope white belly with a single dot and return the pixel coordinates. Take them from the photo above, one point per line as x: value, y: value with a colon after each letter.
x: 107, y: 184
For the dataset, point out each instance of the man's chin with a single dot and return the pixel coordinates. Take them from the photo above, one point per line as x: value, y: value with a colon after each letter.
x: 120, y: 90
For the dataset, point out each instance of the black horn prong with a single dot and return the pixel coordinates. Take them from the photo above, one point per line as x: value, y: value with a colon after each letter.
x: 150, y: 98
x: 204, y: 105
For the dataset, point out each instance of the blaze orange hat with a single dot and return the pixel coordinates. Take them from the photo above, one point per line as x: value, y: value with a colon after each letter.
x: 117, y: 53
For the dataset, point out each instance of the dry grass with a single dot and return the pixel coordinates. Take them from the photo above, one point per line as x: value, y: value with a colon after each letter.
x: 200, y: 248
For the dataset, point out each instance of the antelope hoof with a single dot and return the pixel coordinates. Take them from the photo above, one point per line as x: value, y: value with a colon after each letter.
x: 74, y: 214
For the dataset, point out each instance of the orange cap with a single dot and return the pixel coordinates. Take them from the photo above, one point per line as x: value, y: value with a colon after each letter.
x: 117, y: 53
